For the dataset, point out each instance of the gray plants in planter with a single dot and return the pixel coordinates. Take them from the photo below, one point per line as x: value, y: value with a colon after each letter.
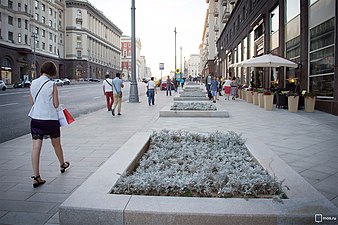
x: 183, y: 163
x: 203, y: 106
x: 192, y: 94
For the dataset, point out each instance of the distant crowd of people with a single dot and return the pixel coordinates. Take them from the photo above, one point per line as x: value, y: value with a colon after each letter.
x: 214, y: 86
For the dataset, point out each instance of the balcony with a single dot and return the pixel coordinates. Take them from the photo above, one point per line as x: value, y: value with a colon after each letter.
x: 224, y: 2
x: 225, y: 17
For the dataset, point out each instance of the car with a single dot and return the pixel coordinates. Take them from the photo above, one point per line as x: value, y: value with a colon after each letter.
x: 94, y: 80
x: 22, y: 84
x: 66, y: 81
x: 163, y: 85
x: 58, y: 82
x: 3, y: 85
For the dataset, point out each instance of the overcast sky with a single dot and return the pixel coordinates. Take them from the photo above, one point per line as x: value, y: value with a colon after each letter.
x: 155, y: 24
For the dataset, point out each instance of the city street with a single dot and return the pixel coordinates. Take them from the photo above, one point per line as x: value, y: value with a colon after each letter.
x: 78, y: 99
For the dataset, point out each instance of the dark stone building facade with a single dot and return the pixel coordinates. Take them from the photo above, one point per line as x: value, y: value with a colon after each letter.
x: 303, y: 31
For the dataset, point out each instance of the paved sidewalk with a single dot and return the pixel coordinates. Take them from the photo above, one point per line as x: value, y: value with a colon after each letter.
x: 306, y: 141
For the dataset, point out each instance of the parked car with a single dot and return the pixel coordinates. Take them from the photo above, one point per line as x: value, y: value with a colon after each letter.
x: 22, y: 84
x: 3, y: 85
x: 58, y: 82
x: 94, y: 80
x: 66, y: 81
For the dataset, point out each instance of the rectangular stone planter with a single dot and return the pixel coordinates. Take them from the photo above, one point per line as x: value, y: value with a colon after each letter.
x: 167, y: 112
x: 191, y: 99
x: 244, y: 95
x: 255, y: 98
x: 261, y: 100
x: 268, y: 102
x: 309, y: 104
x: 293, y: 103
x: 92, y: 202
x: 249, y: 96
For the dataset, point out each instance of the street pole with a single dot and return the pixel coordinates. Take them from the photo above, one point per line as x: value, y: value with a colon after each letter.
x: 175, y: 62
x: 181, y: 64
x: 133, y: 95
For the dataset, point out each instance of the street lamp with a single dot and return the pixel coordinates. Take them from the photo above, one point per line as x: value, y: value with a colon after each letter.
x: 175, y: 61
x: 34, y: 35
x: 133, y: 95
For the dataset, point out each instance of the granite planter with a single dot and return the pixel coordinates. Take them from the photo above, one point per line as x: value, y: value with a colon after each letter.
x: 249, y: 96
x: 244, y: 95
x: 255, y: 98
x: 261, y: 100
x: 268, y: 102
x: 293, y: 103
x: 309, y: 104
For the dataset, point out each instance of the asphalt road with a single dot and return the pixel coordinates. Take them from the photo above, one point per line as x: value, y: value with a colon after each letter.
x: 78, y: 99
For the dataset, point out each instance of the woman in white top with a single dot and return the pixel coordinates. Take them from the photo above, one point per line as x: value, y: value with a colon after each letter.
x: 44, y: 120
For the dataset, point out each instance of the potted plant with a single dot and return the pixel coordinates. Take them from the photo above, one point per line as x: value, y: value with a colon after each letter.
x: 268, y: 100
x: 309, y: 101
x: 260, y: 98
x: 293, y: 100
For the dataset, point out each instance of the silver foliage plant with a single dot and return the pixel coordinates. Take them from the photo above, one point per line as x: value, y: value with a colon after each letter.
x: 183, y: 163
x: 192, y: 94
x: 204, y: 106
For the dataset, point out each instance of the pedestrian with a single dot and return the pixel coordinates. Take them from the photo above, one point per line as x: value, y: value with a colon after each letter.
x: 214, y: 88
x: 227, y: 87
x: 151, y: 91
x: 118, y: 85
x: 208, y: 86
x: 169, y: 84
x: 107, y: 86
x: 44, y: 119
x: 182, y: 82
x: 233, y: 85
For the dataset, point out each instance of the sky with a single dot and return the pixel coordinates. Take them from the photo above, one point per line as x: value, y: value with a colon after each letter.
x: 155, y: 24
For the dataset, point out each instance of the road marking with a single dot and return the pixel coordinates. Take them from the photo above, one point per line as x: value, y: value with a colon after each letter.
x: 9, y: 104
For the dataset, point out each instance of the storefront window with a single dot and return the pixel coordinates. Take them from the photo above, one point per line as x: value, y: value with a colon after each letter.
x: 321, y: 55
x: 274, y: 28
x: 245, y: 55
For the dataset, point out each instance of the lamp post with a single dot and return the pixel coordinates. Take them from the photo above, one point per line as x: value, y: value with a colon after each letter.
x: 34, y: 35
x: 175, y: 61
x: 133, y: 95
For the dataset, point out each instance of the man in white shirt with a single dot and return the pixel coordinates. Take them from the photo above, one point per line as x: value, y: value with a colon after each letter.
x: 151, y: 91
x: 107, y: 86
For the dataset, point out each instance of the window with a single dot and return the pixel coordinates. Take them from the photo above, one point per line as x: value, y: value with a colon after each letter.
x: 10, y: 20
x: 19, y: 37
x: 50, y: 48
x: 321, y: 52
x: 26, y: 39
x: 78, y: 54
x: 36, y: 30
x: 10, y: 36
x: 50, y: 36
x: 43, y: 19
x: 50, y: 11
x: 26, y: 8
x: 19, y: 22
x: 43, y: 46
x: 19, y: 6
x: 26, y: 24
x: 36, y: 17
x: 55, y: 38
x: 78, y: 37
x: 10, y: 4
x: 43, y: 7
x: 36, y: 4
x: 37, y: 44
x: 43, y: 33
x: 50, y: 23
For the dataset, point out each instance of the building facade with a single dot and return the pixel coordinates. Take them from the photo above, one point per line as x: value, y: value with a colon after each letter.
x: 92, y: 42
x: 32, y: 31
x: 126, y: 58
x: 217, y: 16
x: 303, y: 31
x: 193, y: 66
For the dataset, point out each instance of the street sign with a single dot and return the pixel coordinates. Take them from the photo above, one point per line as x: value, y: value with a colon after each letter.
x: 161, y: 66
